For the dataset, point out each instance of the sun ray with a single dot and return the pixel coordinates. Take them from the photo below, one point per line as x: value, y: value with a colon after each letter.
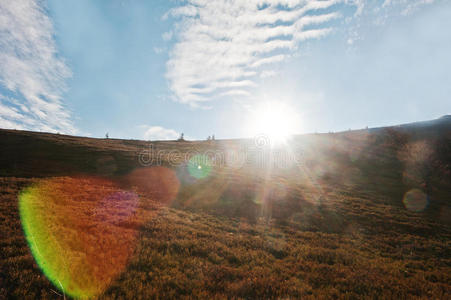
x: 275, y: 120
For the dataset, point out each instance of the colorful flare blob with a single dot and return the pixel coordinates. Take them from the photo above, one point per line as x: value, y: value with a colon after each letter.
x: 81, y: 231
x: 199, y: 166
x: 159, y: 183
x: 415, y: 200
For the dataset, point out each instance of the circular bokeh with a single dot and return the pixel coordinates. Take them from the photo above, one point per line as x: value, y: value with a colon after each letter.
x: 199, y: 166
x: 415, y: 200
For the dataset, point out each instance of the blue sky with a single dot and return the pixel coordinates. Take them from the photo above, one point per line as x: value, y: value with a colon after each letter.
x: 153, y: 69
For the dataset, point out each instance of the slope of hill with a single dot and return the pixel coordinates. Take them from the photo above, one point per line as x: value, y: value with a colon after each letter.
x: 347, y: 215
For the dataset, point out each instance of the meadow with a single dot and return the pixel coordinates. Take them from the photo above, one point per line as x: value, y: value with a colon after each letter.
x: 361, y: 214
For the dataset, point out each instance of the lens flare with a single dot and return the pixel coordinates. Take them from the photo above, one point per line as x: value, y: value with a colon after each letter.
x: 81, y: 231
x: 275, y: 120
x: 159, y: 183
x: 415, y: 200
x: 199, y: 166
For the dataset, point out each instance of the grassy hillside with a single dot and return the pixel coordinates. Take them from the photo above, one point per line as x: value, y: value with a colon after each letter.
x: 358, y: 214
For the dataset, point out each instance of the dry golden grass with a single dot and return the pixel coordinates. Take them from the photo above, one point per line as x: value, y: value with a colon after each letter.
x: 336, y: 227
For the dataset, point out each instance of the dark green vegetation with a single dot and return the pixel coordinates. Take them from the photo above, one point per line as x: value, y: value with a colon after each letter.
x: 332, y: 226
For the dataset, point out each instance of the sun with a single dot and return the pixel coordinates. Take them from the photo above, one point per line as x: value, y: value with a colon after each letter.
x: 275, y: 120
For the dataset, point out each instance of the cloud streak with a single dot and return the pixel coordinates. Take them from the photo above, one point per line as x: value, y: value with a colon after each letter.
x: 32, y: 75
x: 223, y: 47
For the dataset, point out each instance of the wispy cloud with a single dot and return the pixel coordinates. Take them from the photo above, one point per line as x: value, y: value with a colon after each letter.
x: 389, y: 7
x: 223, y: 47
x: 407, y: 5
x: 32, y: 75
x: 376, y: 13
x: 412, y: 6
x: 159, y: 133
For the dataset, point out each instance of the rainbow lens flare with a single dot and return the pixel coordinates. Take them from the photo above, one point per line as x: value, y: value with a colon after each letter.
x: 81, y: 231
x: 159, y: 183
x: 199, y: 166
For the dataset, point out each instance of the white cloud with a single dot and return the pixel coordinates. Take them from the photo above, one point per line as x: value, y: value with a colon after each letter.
x: 158, y: 50
x: 373, y: 13
x: 268, y: 73
x: 159, y: 133
x: 415, y: 5
x: 31, y: 70
x: 167, y: 36
x: 406, y: 3
x: 393, y: 7
x: 223, y: 47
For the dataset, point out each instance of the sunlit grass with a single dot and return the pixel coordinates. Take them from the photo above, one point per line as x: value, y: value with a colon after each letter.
x: 344, y: 223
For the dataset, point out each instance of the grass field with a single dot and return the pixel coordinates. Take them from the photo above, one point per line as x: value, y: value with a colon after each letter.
x: 361, y: 214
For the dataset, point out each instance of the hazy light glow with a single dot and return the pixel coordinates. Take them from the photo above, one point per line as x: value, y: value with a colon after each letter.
x: 275, y: 120
x: 199, y: 166
x: 415, y: 200
x: 81, y: 231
